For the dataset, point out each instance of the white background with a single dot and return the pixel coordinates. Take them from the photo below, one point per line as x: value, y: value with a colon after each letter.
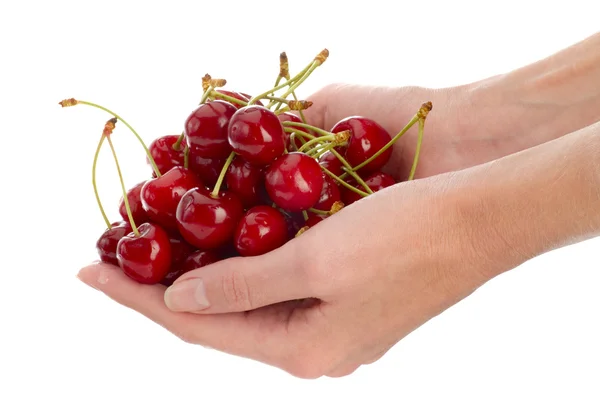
x: 531, y: 332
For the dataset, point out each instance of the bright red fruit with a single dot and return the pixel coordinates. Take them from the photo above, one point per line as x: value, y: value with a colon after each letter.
x: 194, y: 260
x: 106, y: 245
x: 366, y: 138
x: 330, y: 193
x: 256, y: 134
x: 294, y: 181
x: 290, y: 117
x: 245, y: 181
x: 160, y: 196
x: 165, y: 156
x: 314, y: 219
x: 261, y: 230
x: 206, y: 129
x: 329, y: 161
x: 135, y: 205
x: 376, y: 182
x: 236, y: 95
x: 207, y: 169
x: 208, y: 222
x: 145, y: 258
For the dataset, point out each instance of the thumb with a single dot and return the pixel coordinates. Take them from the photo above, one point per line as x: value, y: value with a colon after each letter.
x: 240, y: 284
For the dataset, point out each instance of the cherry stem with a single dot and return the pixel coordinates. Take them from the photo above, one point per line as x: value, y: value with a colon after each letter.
x: 177, y: 144
x: 348, y: 169
x: 206, y: 94
x: 282, y: 110
x: 320, y: 150
x: 314, y: 65
x: 94, y: 181
x: 305, y: 215
x: 308, y: 127
x: 281, y: 85
x: 316, y: 141
x: 125, y: 199
x: 186, y: 158
x: 317, y: 211
x: 228, y: 98
x: 417, y: 150
x: 215, y: 192
x: 342, y: 182
x: 298, y: 132
x: 153, y: 163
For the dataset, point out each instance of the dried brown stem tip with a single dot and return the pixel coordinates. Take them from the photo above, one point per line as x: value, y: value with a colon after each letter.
x: 284, y: 67
x: 425, y: 109
x: 206, y: 82
x: 322, y: 56
x: 299, y: 105
x: 109, y: 126
x: 218, y: 82
x: 336, y: 206
x: 68, y: 102
x: 301, y: 231
x: 342, y: 137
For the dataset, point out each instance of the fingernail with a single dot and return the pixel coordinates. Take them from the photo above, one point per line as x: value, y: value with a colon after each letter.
x: 187, y: 295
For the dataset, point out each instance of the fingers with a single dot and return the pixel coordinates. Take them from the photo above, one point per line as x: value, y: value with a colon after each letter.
x: 230, y: 333
x: 240, y: 284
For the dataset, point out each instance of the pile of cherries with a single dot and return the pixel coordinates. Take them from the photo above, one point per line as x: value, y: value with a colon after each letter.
x: 246, y: 175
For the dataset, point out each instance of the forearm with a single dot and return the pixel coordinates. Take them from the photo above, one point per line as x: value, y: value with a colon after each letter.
x: 534, y: 201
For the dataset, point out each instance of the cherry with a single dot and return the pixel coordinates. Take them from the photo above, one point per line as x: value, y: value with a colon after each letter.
x: 208, y: 221
x: 330, y: 193
x: 164, y: 153
x: 146, y: 257
x: 329, y: 161
x: 107, y: 243
x: 180, y: 249
x: 290, y: 117
x: 367, y: 137
x: 207, y: 169
x: 206, y: 129
x: 194, y: 260
x: 160, y: 196
x: 240, y: 96
x: 245, y: 180
x: 376, y: 182
x: 294, y: 181
x: 261, y: 230
x: 256, y: 134
x: 135, y: 204
x: 314, y: 219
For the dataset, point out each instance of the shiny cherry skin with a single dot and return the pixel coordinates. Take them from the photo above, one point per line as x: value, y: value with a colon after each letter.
x: 294, y: 181
x: 377, y: 181
x: 245, y: 180
x: 261, y: 230
x: 160, y: 196
x: 329, y: 161
x: 207, y: 169
x: 330, y: 193
x: 180, y: 248
x: 194, y: 260
x: 206, y: 129
x: 106, y: 245
x: 208, y: 222
x: 165, y: 156
x: 314, y: 219
x: 135, y: 205
x: 256, y: 134
x: 367, y: 137
x: 145, y: 258
x: 290, y: 117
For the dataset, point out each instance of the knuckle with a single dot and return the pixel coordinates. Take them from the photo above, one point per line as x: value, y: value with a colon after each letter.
x: 310, y: 363
x: 235, y: 290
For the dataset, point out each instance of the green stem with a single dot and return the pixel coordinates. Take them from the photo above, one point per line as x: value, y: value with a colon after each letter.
x: 215, y: 192
x: 314, y: 65
x: 320, y: 150
x: 228, y: 98
x: 186, y: 157
x: 177, y: 144
x: 206, y: 94
x: 348, y: 169
x: 344, y: 183
x: 316, y: 141
x: 300, y: 133
x: 94, y: 181
x: 152, y: 162
x: 281, y: 85
x: 277, y: 81
x: 417, y: 150
x: 320, y: 212
x: 127, y: 207
x: 307, y: 126
x: 305, y: 215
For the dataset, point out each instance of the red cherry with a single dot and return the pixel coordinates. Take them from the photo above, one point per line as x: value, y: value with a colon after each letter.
x: 256, y: 134
x: 106, y: 245
x: 145, y: 258
x: 314, y: 219
x: 236, y: 95
x: 261, y: 230
x: 329, y: 161
x: 290, y: 117
x: 135, y: 204
x: 180, y: 249
x: 367, y: 137
x: 194, y: 260
x: 294, y: 181
x: 206, y: 129
x: 208, y: 222
x: 245, y: 181
x: 163, y: 153
x: 207, y: 169
x: 330, y: 193
x: 376, y: 182
x: 160, y: 196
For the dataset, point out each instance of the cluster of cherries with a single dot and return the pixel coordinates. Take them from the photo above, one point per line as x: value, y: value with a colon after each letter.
x: 246, y: 175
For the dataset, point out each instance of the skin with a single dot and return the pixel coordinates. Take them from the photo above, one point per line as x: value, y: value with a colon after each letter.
x: 509, y: 170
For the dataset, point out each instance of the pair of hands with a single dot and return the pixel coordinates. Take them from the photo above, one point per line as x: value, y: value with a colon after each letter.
x: 343, y: 293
